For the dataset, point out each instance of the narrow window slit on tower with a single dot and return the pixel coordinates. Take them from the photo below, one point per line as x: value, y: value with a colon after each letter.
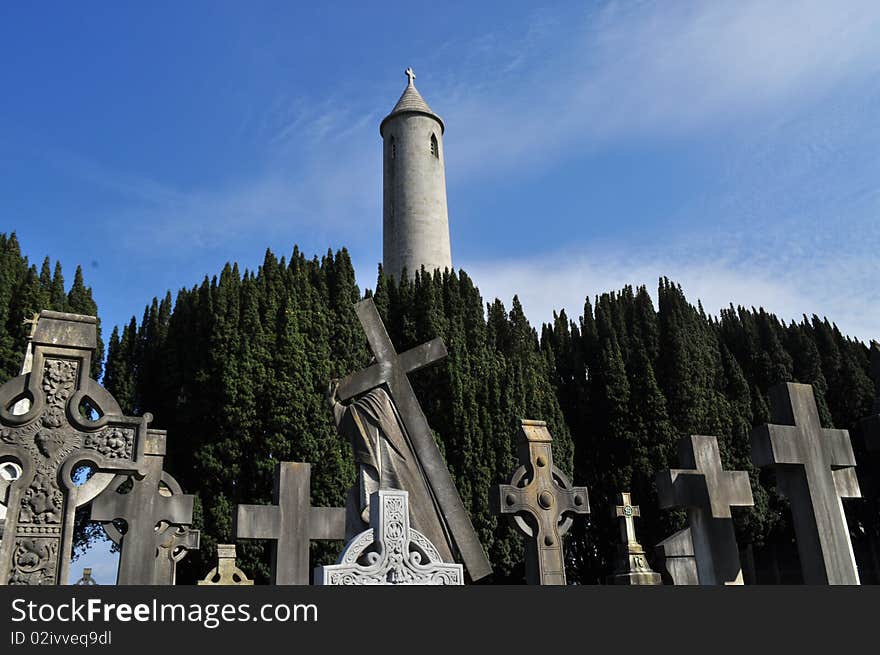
x: 434, y: 150
x: 393, y: 149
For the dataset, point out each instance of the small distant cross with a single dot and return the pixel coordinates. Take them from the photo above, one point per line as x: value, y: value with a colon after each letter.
x: 628, y: 512
x: 409, y: 73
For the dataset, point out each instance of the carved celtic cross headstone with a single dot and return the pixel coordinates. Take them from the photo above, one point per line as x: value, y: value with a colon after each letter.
x: 226, y: 572
x: 291, y: 523
x: 391, y: 370
x: 707, y: 492
x: 70, y: 420
x: 815, y: 469
x: 632, y: 564
x: 157, y: 515
x: 540, y: 499
x: 390, y: 552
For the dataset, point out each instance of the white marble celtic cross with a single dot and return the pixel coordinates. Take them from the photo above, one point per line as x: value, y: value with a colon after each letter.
x: 390, y: 552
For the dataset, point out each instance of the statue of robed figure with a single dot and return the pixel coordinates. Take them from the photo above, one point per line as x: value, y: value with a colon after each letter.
x: 395, y: 449
x: 385, y: 460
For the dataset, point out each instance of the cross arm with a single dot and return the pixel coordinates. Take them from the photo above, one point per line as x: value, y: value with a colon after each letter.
x: 839, y: 448
x: 681, y: 488
x: 110, y: 506
x: 257, y: 522
x: 327, y: 523
x: 776, y: 444
x: 176, y: 509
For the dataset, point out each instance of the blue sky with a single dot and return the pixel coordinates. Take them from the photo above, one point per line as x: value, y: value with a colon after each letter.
x: 731, y: 146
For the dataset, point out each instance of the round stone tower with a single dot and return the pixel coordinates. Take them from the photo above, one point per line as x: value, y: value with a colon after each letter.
x: 415, y: 221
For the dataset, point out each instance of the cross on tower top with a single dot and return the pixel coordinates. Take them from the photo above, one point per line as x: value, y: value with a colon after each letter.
x: 410, y: 75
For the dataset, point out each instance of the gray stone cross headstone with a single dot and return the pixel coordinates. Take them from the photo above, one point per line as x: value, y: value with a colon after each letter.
x: 541, y: 500
x: 708, y: 492
x: 632, y: 566
x: 292, y: 523
x: 390, y: 552
x: 391, y: 369
x: 154, y: 509
x: 50, y: 440
x: 815, y: 468
x: 226, y: 573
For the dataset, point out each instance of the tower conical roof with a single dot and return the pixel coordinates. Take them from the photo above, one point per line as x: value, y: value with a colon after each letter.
x: 412, y: 102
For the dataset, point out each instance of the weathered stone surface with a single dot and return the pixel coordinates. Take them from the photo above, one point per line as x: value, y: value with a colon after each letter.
x: 632, y: 566
x: 707, y: 492
x: 50, y: 440
x: 815, y: 469
x: 675, y: 557
x: 158, y: 516
x: 291, y: 523
x: 226, y: 572
x: 390, y: 552
x: 390, y: 371
x: 540, y: 500
x: 86, y: 578
x: 415, y: 220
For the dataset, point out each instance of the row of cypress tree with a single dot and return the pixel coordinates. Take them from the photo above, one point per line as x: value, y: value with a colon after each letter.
x: 236, y: 369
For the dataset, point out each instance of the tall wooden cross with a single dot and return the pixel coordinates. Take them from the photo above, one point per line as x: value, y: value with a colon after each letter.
x: 292, y: 523
x: 392, y: 369
x: 708, y: 492
x: 815, y: 469
x: 50, y: 439
x: 144, y: 507
x: 540, y: 495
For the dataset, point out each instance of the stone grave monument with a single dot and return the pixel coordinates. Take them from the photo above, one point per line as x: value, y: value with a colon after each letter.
x: 291, y: 523
x: 675, y: 557
x: 395, y: 449
x: 541, y: 500
x: 632, y: 566
x: 815, y: 469
x: 390, y: 552
x: 226, y: 573
x: 86, y: 579
x: 707, y: 492
x: 70, y: 420
x: 157, y: 515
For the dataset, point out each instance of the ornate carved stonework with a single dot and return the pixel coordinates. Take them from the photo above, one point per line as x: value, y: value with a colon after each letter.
x: 390, y: 553
x: 69, y: 420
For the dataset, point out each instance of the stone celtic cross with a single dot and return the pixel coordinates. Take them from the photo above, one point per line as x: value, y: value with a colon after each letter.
x: 632, y: 564
x: 390, y: 552
x: 708, y: 492
x: 291, y: 523
x: 815, y: 469
x: 540, y: 500
x: 157, y: 515
x: 226, y: 572
x: 391, y: 369
x: 69, y: 420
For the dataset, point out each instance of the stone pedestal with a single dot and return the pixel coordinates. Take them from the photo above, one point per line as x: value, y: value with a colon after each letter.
x: 675, y: 556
